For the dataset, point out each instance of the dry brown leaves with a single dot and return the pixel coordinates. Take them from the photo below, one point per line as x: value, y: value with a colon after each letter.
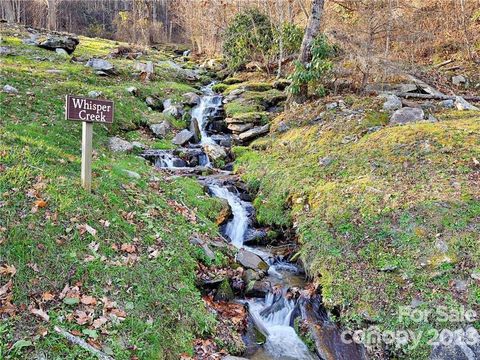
x: 234, y: 312
x: 183, y: 210
x: 6, y: 305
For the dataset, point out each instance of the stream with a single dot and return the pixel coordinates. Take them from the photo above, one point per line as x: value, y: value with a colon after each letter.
x: 272, y: 315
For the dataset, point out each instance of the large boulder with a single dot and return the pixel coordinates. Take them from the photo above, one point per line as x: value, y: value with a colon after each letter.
x: 251, y: 260
x: 119, y: 145
x: 54, y: 42
x: 101, y: 67
x: 183, y: 137
x: 160, y: 130
x: 392, y: 103
x: 407, y: 115
x: 224, y: 214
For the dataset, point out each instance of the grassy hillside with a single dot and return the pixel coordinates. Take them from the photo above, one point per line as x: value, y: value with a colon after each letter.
x: 387, y: 216
x: 126, y: 242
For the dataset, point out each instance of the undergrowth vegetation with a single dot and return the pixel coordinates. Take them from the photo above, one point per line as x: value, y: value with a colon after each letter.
x: 119, y: 256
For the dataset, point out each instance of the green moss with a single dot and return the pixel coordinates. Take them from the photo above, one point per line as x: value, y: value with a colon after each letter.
x: 220, y: 87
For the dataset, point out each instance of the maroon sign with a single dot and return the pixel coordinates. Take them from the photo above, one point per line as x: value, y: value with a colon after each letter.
x: 89, y: 110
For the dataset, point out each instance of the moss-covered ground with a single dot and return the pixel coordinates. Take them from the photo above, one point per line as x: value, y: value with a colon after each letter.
x: 386, y: 216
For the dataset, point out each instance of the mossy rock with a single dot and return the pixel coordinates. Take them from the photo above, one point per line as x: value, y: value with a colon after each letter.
x: 232, y: 80
x: 241, y: 106
x: 224, y: 292
x: 220, y: 87
x: 256, y: 117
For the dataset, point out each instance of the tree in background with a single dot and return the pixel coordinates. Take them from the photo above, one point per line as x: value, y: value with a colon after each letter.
x: 249, y: 37
x: 300, y: 90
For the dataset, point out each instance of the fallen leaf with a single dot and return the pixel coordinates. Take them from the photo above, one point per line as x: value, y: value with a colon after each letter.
x: 40, y: 313
x: 42, y: 331
x: 40, y: 203
x: 93, y: 246
x: 8, y: 270
x: 90, y: 230
x: 119, y: 313
x: 129, y: 248
x: 88, y: 300
x: 102, y: 320
x: 81, y: 317
x: 34, y: 267
x: 48, y: 296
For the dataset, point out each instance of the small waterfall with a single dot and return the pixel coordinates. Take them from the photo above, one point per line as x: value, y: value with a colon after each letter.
x: 210, y: 103
x: 236, y: 227
x: 273, y: 317
x: 164, y: 160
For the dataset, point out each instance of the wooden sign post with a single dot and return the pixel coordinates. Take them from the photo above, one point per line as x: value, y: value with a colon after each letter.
x: 88, y: 111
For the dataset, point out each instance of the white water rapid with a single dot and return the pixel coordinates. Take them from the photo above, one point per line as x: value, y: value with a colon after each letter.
x: 238, y: 225
x: 282, y: 340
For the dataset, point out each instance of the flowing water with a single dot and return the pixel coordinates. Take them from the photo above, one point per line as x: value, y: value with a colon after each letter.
x: 273, y: 315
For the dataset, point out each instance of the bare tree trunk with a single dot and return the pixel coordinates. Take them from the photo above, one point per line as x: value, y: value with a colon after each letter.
x: 52, y: 14
x: 312, y: 30
x: 8, y: 10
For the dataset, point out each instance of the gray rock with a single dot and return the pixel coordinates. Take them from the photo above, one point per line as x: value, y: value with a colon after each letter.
x: 203, y: 244
x: 258, y: 288
x: 464, y: 345
x: 190, y: 99
x: 392, y: 103
x: 61, y: 52
x: 406, y: 88
x: 251, y: 260
x: 5, y: 50
x: 214, y: 151
x: 174, y: 110
x: 132, y: 174
x: 160, y: 130
x: 195, y: 129
x: 282, y: 127
x: 132, y: 90
x: 119, y: 145
x: 94, y: 94
x: 254, y: 133
x: 239, y: 128
x: 325, y: 161
x: 459, y: 80
x: 447, y: 104
x: 475, y: 275
x: 154, y: 103
x: 182, y: 137
x: 101, y: 66
x: 407, y: 115
x: 460, y: 285
x: 53, y: 42
x: 332, y: 106
x: 138, y: 145
x: 10, y: 89
x: 432, y: 118
x: 463, y: 104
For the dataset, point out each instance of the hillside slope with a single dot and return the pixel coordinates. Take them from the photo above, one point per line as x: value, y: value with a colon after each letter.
x: 115, y: 266
x: 386, y: 216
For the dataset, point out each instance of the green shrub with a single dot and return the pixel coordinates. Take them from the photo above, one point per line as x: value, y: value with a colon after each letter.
x: 314, y: 73
x: 249, y: 37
